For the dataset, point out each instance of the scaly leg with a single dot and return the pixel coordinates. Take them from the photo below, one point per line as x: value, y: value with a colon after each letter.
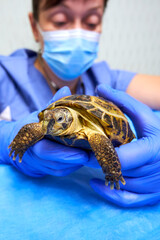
x: 107, y: 158
x: 26, y: 137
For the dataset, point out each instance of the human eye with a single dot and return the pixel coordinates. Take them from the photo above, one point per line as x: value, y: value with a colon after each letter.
x: 92, y: 21
x: 60, y: 20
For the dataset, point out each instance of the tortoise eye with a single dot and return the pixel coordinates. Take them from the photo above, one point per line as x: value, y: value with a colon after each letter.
x: 59, y: 119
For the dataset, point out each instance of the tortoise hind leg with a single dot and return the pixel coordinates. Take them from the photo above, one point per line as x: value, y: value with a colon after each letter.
x: 107, y: 158
x: 26, y: 137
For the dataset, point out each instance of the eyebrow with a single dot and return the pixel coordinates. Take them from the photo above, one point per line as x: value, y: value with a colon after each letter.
x: 91, y: 9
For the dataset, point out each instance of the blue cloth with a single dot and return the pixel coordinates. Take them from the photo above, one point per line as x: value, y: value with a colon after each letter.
x: 60, y: 207
x: 56, y: 208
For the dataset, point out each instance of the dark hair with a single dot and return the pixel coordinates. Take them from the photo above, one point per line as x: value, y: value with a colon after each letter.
x: 48, y: 4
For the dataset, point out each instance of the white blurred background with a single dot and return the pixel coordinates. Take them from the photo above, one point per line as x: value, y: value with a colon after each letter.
x: 130, y: 39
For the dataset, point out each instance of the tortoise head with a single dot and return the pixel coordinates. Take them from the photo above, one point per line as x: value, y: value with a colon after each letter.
x: 56, y: 121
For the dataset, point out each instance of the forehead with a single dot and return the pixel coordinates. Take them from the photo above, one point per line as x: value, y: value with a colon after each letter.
x: 83, y: 1
x: 53, y: 3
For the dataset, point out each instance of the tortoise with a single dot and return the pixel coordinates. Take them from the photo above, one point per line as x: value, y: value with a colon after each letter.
x: 81, y: 121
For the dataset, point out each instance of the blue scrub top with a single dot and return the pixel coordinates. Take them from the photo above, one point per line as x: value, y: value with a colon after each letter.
x: 55, y: 208
x: 23, y: 89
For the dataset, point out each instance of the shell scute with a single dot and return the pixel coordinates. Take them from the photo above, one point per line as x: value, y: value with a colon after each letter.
x: 97, y: 112
x: 107, y: 120
x: 124, y: 129
x: 85, y: 105
x: 77, y: 97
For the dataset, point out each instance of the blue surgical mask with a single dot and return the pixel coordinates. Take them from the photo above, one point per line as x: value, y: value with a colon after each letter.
x: 69, y: 53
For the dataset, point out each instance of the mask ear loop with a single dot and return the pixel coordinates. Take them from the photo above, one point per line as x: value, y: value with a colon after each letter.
x: 52, y: 85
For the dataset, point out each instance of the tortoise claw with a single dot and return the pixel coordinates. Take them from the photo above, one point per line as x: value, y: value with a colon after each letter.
x: 106, y: 182
x: 122, y: 180
x: 111, y: 185
x: 117, y: 186
x: 114, y: 183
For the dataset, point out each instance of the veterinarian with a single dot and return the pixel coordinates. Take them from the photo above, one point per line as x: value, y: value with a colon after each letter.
x: 68, y: 33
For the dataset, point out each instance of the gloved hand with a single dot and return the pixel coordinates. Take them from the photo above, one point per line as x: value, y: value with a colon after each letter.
x: 45, y: 157
x: 140, y: 159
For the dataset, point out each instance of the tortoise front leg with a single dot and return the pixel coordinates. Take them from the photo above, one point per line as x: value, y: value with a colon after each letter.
x: 26, y: 137
x: 107, y: 158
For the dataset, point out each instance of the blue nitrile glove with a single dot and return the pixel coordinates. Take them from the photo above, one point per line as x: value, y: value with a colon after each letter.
x: 45, y: 157
x: 140, y: 159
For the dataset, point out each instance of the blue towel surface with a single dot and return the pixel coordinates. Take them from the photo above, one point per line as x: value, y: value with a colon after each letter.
x: 67, y: 208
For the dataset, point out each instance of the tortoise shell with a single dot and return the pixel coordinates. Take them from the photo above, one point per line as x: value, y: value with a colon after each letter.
x: 107, y: 114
